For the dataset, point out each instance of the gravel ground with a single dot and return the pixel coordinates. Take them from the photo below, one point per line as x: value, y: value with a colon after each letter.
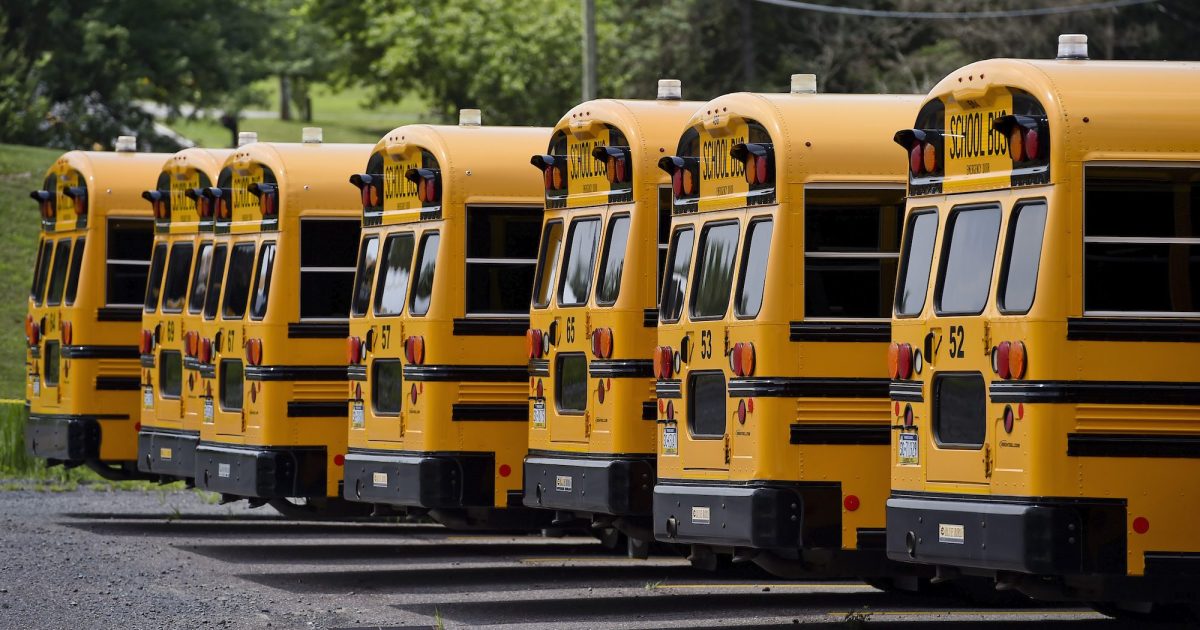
x: 169, y: 559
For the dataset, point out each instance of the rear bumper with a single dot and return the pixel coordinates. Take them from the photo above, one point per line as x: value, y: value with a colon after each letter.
x: 620, y: 486
x: 63, y: 437
x: 765, y: 515
x: 420, y: 479
x: 260, y: 471
x: 1026, y: 535
x: 167, y: 452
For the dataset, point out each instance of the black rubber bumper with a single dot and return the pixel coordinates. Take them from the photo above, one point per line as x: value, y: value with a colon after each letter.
x: 259, y: 471
x: 420, y: 479
x: 621, y: 486
x: 766, y: 515
x: 64, y: 438
x: 1037, y: 536
x: 167, y: 452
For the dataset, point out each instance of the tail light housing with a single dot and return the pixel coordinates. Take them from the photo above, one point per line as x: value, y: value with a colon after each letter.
x: 189, y: 343
x: 146, y: 345
x: 205, y: 350
x: 78, y: 194
x: 158, y: 203
x: 1028, y: 137
x: 45, y: 200
x: 602, y: 343
x: 685, y: 174
x: 268, y: 197
x: 759, y: 160
x: 533, y: 343
x: 370, y: 188
x: 741, y: 358
x: 617, y: 161
x: 254, y: 351
x: 67, y: 333
x: 220, y: 199
x: 664, y: 362
x: 354, y: 350
x: 925, y: 148
x: 414, y: 350
x: 203, y: 204
x: 1009, y: 359
x: 428, y: 181
x: 900, y: 360
x: 29, y: 330
x: 554, y: 171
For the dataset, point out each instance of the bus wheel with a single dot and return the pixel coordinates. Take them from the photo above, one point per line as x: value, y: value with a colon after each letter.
x: 637, y: 548
x: 610, y: 538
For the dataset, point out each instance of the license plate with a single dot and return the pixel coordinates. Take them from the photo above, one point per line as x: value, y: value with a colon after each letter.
x: 37, y: 386
x: 953, y: 534
x: 208, y: 410
x: 148, y: 397
x: 357, y: 416
x: 539, y: 414
x: 670, y: 441
x: 909, y: 450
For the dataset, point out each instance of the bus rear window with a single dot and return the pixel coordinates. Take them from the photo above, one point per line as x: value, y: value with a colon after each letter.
x: 675, y: 277
x: 1141, y: 241
x: 422, y: 293
x: 706, y: 404
x: 262, y: 281
x: 368, y: 253
x: 37, y: 292
x: 58, y: 273
x: 851, y: 249
x: 175, y: 285
x: 501, y: 257
x: 714, y: 270
x: 328, y: 249
x: 128, y: 261
x: 76, y: 267
x: 754, y: 268
x: 200, y: 276
x: 548, y: 263
x: 212, y: 295
x: 237, y: 285
x: 1018, y: 278
x: 612, y: 261
x: 579, y: 261
x: 154, y: 284
x: 392, y: 286
x: 968, y: 256
x: 914, y: 268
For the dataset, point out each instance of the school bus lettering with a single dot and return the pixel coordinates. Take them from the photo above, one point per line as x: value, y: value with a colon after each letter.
x: 580, y: 163
x: 570, y: 330
x: 971, y: 135
x: 706, y: 344
x: 956, y: 342
x: 385, y: 336
x: 716, y: 163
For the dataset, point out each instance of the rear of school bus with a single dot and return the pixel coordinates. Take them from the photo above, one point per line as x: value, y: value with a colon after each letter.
x: 1044, y: 355
x: 179, y: 268
x: 84, y: 390
x: 773, y: 331
x: 278, y: 431
x: 437, y: 351
x: 592, y: 321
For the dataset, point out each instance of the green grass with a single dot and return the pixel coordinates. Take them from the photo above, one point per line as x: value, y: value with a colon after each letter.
x: 21, y: 170
x: 345, y: 116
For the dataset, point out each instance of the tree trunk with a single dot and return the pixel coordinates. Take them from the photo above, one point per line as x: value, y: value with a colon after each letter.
x: 285, y: 98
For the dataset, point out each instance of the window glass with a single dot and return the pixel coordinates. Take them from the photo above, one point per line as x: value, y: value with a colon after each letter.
x: 754, y: 268
x: 76, y: 267
x: 39, y: 274
x: 392, y: 286
x: 852, y: 246
x: 675, y: 284
x: 50, y: 363
x: 175, y: 285
x: 714, y: 270
x: 368, y: 253
x: 200, y: 277
x: 664, y: 234
x: 128, y: 261
x: 706, y: 404
x: 501, y: 256
x: 548, y: 263
x: 212, y: 294
x: 154, y: 285
x: 170, y: 373
x: 237, y: 285
x: 1022, y: 258
x: 1142, y: 240
x: 387, y: 386
x: 960, y: 410
x: 967, y: 260
x: 579, y: 261
x: 918, y: 256
x: 571, y: 383
x: 422, y: 292
x: 328, y: 249
x: 58, y: 273
x: 262, y: 281
x: 231, y: 380
x: 612, y: 261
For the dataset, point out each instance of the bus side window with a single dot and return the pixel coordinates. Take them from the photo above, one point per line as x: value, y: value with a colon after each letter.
x: 37, y: 291
x: 1018, y: 278
x: 175, y: 284
x: 501, y: 257
x: 212, y: 294
x: 579, y: 261
x: 368, y: 253
x: 200, y: 277
x: 548, y: 263
x: 130, y: 242
x: 754, y: 268
x: 237, y: 285
x: 328, y: 252
x: 918, y: 258
x: 262, y: 281
x: 73, y: 274
x: 851, y: 248
x: 422, y: 293
x: 1141, y: 241
x: 612, y: 260
x: 968, y: 256
x: 392, y: 286
x: 714, y: 270
x: 58, y: 273
x: 675, y: 276
x: 154, y: 283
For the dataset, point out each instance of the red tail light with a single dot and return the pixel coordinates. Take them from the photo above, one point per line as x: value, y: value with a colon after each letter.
x: 204, y: 207
x: 35, y: 333
x: 414, y: 350
x: 664, y: 361
x: 353, y: 350
x: 741, y: 359
x: 205, y: 350
x: 254, y: 351
x: 29, y: 329
x: 145, y: 342
x: 533, y: 343
x: 66, y: 333
x: 741, y: 412
x: 1000, y: 359
x: 602, y: 343
x: 670, y: 410
x: 905, y: 361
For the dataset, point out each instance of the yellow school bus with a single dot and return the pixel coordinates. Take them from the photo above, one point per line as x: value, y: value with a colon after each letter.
x: 273, y: 378
x: 1044, y: 362
x: 175, y: 291
x: 592, y: 320
x: 773, y: 329
x: 437, y: 391
x: 86, y: 308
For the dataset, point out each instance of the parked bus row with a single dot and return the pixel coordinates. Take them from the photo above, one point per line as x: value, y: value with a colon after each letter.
x: 751, y: 329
